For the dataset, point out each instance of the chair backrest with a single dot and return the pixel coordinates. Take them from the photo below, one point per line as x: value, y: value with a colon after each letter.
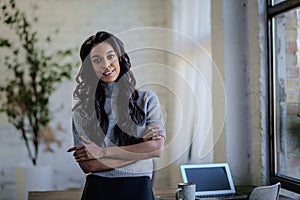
x: 269, y: 192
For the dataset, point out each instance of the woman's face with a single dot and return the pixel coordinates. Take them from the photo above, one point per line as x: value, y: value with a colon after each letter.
x: 105, y: 62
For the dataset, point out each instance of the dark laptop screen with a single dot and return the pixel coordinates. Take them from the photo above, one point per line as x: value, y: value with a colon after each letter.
x: 208, y: 179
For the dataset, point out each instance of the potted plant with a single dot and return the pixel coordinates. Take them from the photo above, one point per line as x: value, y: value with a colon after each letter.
x: 34, y: 75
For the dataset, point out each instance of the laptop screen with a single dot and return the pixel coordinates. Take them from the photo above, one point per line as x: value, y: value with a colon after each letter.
x: 210, y: 179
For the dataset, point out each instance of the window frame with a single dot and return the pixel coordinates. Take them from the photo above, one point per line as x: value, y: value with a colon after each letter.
x: 272, y: 11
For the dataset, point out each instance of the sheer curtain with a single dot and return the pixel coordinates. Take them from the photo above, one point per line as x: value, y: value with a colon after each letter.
x: 192, y: 134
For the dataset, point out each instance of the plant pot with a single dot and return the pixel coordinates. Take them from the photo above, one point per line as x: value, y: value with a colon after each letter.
x: 35, y: 178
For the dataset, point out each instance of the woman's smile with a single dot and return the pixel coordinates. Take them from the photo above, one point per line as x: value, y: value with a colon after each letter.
x: 109, y: 73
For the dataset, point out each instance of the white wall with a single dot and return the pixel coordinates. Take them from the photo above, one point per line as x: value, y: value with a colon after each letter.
x: 258, y: 72
x: 245, y: 81
x: 236, y: 68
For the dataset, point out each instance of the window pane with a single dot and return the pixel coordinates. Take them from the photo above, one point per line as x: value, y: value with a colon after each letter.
x: 274, y: 2
x: 287, y: 98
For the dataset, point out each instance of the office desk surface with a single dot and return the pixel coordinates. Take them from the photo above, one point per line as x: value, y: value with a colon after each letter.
x: 74, y: 194
x: 165, y: 193
x: 58, y: 195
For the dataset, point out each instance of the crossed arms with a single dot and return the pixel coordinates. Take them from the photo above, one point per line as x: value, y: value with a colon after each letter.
x: 92, y: 158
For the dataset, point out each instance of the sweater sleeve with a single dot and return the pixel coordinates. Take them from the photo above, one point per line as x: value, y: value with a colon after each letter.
x: 76, y: 137
x: 154, y: 114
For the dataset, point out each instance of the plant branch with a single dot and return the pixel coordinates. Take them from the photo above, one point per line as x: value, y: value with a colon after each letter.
x: 35, y: 76
x: 23, y: 131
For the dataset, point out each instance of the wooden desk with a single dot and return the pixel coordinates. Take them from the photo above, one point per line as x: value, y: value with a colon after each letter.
x: 75, y: 194
x: 165, y: 193
x: 58, y: 195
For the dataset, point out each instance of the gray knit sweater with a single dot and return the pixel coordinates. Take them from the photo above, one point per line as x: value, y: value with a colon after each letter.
x: 148, y: 101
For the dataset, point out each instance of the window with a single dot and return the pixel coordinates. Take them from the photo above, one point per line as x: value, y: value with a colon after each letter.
x: 277, y: 1
x: 284, y: 73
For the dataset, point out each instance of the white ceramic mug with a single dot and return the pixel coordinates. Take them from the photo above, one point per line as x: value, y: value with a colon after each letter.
x: 186, y: 191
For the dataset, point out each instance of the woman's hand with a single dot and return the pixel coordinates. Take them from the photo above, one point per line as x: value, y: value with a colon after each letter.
x: 153, y: 133
x: 88, y: 151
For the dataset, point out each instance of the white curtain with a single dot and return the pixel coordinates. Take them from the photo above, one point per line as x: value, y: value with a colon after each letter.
x: 190, y: 133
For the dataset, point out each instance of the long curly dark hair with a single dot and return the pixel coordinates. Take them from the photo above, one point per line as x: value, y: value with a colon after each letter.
x: 90, y: 97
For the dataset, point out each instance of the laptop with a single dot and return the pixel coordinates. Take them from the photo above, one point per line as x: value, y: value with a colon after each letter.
x: 213, y: 181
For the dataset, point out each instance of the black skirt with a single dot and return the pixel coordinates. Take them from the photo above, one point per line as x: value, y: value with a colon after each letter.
x: 120, y: 188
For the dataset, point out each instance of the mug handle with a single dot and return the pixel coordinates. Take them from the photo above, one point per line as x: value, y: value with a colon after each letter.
x: 178, y: 193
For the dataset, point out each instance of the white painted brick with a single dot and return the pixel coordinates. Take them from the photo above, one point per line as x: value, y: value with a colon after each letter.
x: 7, y: 175
x: 8, y: 191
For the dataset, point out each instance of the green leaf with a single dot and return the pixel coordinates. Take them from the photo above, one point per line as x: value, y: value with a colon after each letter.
x: 4, y: 43
x: 48, y: 39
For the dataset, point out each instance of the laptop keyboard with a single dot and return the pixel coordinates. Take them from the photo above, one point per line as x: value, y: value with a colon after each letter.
x: 214, y: 195
x: 223, y: 196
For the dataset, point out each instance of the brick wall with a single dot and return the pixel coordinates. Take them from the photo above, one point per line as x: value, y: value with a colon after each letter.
x: 290, y: 138
x: 76, y: 20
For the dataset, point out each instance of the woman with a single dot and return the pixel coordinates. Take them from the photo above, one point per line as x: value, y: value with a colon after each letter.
x: 117, y: 129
